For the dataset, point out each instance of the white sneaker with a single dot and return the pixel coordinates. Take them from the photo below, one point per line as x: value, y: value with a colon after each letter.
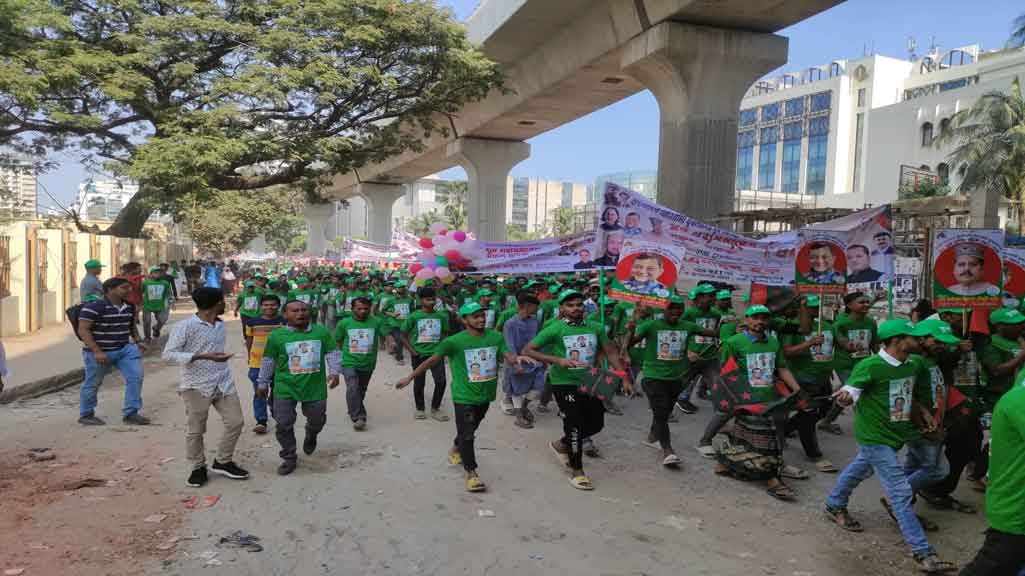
x: 507, y: 406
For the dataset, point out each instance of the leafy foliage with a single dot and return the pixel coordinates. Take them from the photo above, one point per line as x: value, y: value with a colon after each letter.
x: 560, y: 222
x: 924, y: 189
x: 456, y: 194
x: 516, y: 234
x: 228, y: 220
x: 194, y: 96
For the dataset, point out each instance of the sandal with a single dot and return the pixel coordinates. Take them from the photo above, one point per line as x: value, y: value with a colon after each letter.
x: 947, y: 502
x: 793, y: 472
x: 843, y: 519
x: 671, y: 461
x: 826, y: 467
x: 475, y: 484
x: 562, y: 456
x: 932, y: 564
x: 831, y: 427
x: 782, y: 492
x: 455, y: 458
x: 581, y: 482
x: 927, y: 525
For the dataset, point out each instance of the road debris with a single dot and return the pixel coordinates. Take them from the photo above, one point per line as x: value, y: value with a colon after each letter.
x: 240, y: 539
x: 155, y: 518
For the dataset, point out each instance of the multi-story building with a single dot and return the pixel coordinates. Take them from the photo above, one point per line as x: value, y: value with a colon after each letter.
x: 532, y: 202
x: 642, y: 181
x: 103, y: 199
x: 18, y: 187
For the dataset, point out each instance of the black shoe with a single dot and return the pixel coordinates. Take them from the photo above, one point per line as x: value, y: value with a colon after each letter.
x: 137, y: 419
x: 198, y: 477
x: 229, y: 469
x: 686, y: 407
x: 91, y: 420
x: 286, y: 467
x: 310, y: 444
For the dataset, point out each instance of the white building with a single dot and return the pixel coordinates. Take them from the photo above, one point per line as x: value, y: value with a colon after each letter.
x: 849, y: 133
x: 18, y: 187
x: 103, y: 199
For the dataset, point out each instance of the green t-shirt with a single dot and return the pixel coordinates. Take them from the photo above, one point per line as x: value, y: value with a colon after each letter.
x: 595, y: 318
x: 1005, y: 495
x: 400, y: 306
x: 726, y: 316
x: 307, y: 296
x: 861, y: 332
x: 998, y: 351
x: 817, y: 361
x: 474, y: 363
x: 882, y: 415
x: 425, y: 330
x: 758, y: 361
x: 665, y: 352
x: 703, y: 346
x: 358, y: 342
x: 504, y: 317
x: 547, y: 310
x: 622, y: 313
x: 155, y: 295
x: 249, y: 302
x: 300, y: 370
x: 576, y: 342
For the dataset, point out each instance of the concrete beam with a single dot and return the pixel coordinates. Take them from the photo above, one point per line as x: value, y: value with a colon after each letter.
x: 487, y: 164
x: 379, y: 198
x: 319, y: 227
x: 699, y: 75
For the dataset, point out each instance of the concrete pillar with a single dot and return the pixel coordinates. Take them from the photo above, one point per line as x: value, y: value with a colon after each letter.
x: 984, y: 208
x: 699, y: 76
x: 318, y: 227
x: 380, y: 198
x: 487, y: 164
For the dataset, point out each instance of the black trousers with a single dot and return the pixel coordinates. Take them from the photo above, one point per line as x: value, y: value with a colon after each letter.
x: 468, y: 419
x: 804, y: 421
x: 962, y: 445
x: 583, y: 416
x: 661, y: 395
x: 419, y: 383
x: 1002, y: 554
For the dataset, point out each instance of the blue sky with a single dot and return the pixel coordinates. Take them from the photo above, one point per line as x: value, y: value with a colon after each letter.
x: 582, y: 150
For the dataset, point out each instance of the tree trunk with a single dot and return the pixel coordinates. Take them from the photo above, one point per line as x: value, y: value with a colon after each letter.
x: 131, y: 218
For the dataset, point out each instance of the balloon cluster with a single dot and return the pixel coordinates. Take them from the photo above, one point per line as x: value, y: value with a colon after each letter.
x: 444, y: 251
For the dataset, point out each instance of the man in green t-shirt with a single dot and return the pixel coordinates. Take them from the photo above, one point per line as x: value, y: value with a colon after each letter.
x: 856, y: 340
x: 396, y: 309
x: 1003, y: 356
x: 703, y: 351
x: 156, y: 302
x: 422, y: 332
x: 358, y: 338
x: 887, y: 391
x: 1003, y: 551
x: 576, y: 346
x: 473, y: 355
x: 247, y: 303
x: 300, y: 360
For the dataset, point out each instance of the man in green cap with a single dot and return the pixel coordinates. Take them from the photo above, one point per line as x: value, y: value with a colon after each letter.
x: 485, y: 297
x: 576, y: 346
x: 358, y: 337
x: 724, y: 306
x: 422, y: 332
x: 890, y: 395
x: 702, y: 350
x: 473, y: 356
x: 156, y: 303
x: 396, y: 309
x: 856, y: 340
x: 247, y: 304
x: 91, y: 289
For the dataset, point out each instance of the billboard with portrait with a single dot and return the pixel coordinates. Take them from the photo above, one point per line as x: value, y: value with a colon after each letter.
x: 1014, y: 276
x: 820, y: 266
x: 646, y: 273
x: 967, y: 268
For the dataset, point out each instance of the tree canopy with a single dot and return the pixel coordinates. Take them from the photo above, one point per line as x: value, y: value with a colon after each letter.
x: 227, y: 221
x: 197, y: 96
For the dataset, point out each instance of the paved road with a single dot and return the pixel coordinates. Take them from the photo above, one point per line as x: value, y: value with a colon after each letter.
x: 385, y: 501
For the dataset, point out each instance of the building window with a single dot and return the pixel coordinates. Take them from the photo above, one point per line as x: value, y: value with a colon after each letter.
x: 956, y: 58
x: 767, y: 158
x: 763, y: 87
x: 818, y: 149
x: 745, y: 155
x: 861, y: 97
x: 789, y: 81
x: 813, y: 75
x: 770, y: 112
x: 792, y: 134
x: 944, y: 126
x: 793, y: 107
x: 859, y: 135
x: 820, y: 102
x: 927, y: 134
x: 835, y: 69
x: 943, y: 171
x: 748, y: 117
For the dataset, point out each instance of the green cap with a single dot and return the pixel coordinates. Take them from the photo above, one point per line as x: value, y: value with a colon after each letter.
x: 757, y: 309
x: 257, y: 275
x: 605, y: 300
x: 675, y: 299
x: 812, y: 300
x: 399, y: 284
x: 155, y: 268
x: 249, y: 284
x: 554, y: 288
x: 469, y: 280
x: 567, y: 294
x: 723, y: 295
x: 900, y: 327
x: 484, y: 292
x: 1006, y: 316
x: 93, y: 298
x: 93, y: 264
x: 302, y: 279
x: 701, y: 289
x: 469, y: 308
x: 939, y: 330
x: 529, y: 284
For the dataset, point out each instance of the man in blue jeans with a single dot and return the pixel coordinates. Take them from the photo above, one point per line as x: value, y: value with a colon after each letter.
x: 107, y: 328
x: 890, y: 393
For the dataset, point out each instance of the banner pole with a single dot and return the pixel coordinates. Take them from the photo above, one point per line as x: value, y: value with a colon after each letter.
x: 964, y: 319
x: 821, y: 306
x: 889, y: 299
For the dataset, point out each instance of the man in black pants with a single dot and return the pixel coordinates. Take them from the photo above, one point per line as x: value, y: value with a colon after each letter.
x: 422, y: 332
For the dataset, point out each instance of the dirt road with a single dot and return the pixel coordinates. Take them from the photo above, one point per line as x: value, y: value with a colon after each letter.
x: 385, y: 501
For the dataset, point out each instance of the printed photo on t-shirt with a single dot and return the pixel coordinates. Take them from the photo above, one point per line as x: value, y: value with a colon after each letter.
x: 581, y: 347
x: 155, y: 291
x: 967, y: 371
x: 251, y: 302
x: 481, y: 363
x: 824, y: 351
x: 360, y: 340
x: 428, y: 330
x: 900, y: 399
x: 489, y: 318
x: 706, y: 324
x: 760, y: 369
x: 304, y: 298
x: 303, y: 356
x: 670, y: 344
x: 939, y: 391
x: 862, y: 340
x: 402, y: 310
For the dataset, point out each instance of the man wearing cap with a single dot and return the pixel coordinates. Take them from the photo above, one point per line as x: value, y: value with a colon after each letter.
x: 524, y: 381
x: 473, y: 356
x: 248, y: 303
x: 968, y: 268
x: 1003, y: 356
x: 156, y: 302
x: 485, y: 298
x: 701, y: 350
x: 396, y: 309
x: 358, y: 337
x: 576, y: 347
x: 879, y: 385
x: 724, y: 306
x: 422, y: 332
x: 91, y: 289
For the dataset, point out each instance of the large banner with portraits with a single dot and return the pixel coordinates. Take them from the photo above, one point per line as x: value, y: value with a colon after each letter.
x: 967, y: 269
x: 1014, y: 276
x: 565, y: 254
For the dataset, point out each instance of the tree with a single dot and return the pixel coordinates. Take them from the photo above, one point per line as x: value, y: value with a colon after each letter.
x: 989, y: 144
x: 283, y: 232
x: 456, y: 194
x: 560, y: 222
x: 227, y: 221
x: 196, y: 96
x: 419, y: 225
x: 924, y: 189
x: 516, y: 234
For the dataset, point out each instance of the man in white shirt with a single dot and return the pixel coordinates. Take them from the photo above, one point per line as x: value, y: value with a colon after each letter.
x: 197, y: 345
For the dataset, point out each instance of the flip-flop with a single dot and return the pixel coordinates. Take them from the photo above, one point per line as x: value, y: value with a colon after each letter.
x: 581, y: 483
x: 671, y: 461
x: 842, y: 518
x: 781, y: 492
x: 826, y: 467
x: 793, y: 472
x: 475, y: 484
x: 562, y: 456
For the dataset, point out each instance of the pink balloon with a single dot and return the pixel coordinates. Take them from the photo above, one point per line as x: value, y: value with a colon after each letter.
x: 426, y: 243
x: 430, y: 265
x: 459, y: 235
x: 443, y: 231
x: 453, y: 255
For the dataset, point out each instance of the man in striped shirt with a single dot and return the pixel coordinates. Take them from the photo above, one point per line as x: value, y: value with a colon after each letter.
x: 107, y: 328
